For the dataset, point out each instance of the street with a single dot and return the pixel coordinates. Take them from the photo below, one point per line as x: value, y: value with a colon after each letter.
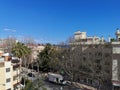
x: 46, y: 84
x: 51, y: 86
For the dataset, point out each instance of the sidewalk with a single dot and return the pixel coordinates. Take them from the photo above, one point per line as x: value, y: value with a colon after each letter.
x: 82, y: 86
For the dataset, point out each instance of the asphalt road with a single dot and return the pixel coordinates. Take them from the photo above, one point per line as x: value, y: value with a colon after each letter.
x: 51, y: 86
x: 46, y: 84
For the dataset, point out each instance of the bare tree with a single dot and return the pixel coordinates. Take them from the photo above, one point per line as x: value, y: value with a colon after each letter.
x: 90, y: 64
x: 69, y: 40
x: 28, y: 40
x: 9, y: 43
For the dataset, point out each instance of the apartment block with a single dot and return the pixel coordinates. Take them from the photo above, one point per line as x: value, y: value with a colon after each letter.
x: 9, y: 72
x: 105, y: 56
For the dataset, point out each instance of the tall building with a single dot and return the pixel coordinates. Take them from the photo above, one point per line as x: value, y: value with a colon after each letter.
x: 105, y: 58
x: 9, y: 72
x: 116, y: 61
x: 81, y: 38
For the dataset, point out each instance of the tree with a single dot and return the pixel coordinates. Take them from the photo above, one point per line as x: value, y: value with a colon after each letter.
x: 113, y: 39
x: 28, y: 40
x: 9, y: 43
x: 89, y: 64
x: 70, y: 40
x: 47, y: 58
x: 70, y: 62
x: 21, y: 51
x: 38, y: 85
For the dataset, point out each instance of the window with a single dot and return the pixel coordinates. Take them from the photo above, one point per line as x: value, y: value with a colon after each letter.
x: 99, y: 53
x: 7, y: 80
x: 7, y: 69
x: 84, y: 59
x: 15, y: 78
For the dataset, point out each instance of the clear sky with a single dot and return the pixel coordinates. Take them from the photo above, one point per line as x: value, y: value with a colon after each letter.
x: 55, y: 20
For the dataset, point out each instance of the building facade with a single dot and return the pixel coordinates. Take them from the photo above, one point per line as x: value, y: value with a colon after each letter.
x: 9, y: 73
x: 105, y: 58
x: 36, y: 49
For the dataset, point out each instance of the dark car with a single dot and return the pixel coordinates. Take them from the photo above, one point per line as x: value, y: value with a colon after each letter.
x: 31, y: 75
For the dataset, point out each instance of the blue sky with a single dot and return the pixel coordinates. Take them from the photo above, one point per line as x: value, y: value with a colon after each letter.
x: 55, y: 20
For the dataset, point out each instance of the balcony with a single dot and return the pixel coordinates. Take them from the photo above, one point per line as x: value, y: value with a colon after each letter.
x: 1, y: 59
x: 2, y: 62
x: 16, y: 65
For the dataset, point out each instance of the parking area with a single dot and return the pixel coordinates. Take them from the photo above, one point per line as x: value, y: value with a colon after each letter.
x: 29, y: 74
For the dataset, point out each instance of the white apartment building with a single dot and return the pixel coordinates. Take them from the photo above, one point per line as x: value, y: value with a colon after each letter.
x: 82, y: 38
x: 9, y: 73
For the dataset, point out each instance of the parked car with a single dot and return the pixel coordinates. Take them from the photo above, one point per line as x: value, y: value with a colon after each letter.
x: 31, y: 75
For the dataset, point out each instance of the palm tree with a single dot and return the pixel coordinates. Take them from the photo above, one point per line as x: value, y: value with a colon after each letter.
x: 21, y: 51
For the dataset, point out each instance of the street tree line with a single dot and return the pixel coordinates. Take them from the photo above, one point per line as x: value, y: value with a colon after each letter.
x: 70, y: 61
x: 91, y: 64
